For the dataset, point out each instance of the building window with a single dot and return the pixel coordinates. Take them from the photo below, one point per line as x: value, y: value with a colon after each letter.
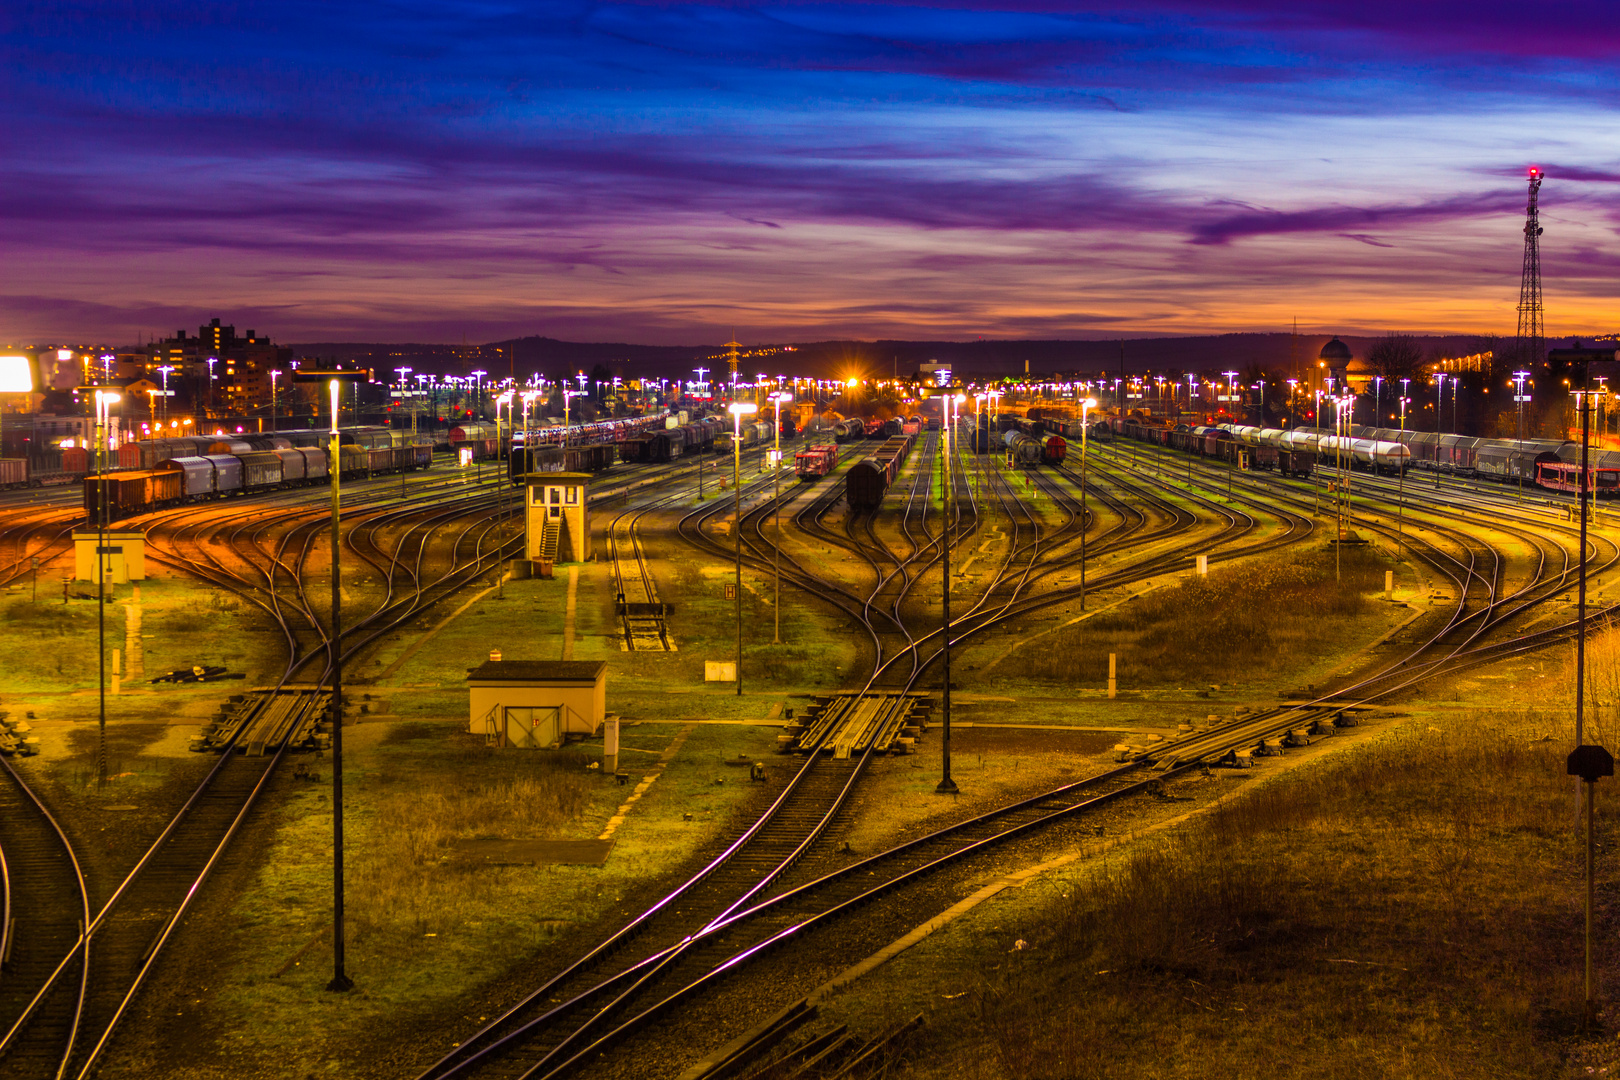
x: 573, y: 495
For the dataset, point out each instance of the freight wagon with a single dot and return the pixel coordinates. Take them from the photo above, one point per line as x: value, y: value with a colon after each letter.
x: 869, y: 479
x: 124, y: 494
x: 816, y: 462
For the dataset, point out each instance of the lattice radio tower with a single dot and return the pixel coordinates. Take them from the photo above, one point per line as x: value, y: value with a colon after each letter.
x: 1530, y: 348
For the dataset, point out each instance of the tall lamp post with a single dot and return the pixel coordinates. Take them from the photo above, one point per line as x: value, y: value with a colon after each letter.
x: 778, y: 400
x: 104, y: 403
x: 1085, y: 407
x: 1519, y: 398
x: 947, y: 786
x: 274, y: 375
x: 506, y: 486
x: 1400, y: 497
x: 334, y: 382
x: 738, y: 409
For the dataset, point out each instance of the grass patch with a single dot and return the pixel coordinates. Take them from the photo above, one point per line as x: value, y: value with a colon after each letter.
x: 1409, y: 909
x: 1253, y: 620
x: 405, y: 882
x: 425, y: 932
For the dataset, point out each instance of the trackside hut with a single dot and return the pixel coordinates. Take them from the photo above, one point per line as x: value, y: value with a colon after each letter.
x: 536, y: 704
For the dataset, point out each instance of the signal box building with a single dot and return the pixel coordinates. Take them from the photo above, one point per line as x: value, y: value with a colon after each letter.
x: 121, y: 556
x: 557, y: 522
x: 536, y: 704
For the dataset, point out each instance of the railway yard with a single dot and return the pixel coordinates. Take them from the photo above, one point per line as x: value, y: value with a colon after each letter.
x: 1193, y: 726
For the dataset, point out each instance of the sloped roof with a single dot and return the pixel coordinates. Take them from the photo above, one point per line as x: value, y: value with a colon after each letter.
x: 537, y: 671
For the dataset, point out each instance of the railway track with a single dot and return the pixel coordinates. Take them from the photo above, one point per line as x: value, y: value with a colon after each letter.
x: 688, y: 968
x: 265, y: 561
x: 45, y: 906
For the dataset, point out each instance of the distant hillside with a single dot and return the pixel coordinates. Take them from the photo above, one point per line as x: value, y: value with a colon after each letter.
x: 842, y: 359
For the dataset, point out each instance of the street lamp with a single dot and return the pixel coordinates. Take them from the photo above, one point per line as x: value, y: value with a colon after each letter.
x: 1085, y: 407
x: 738, y: 410
x: 334, y: 381
x: 1293, y: 390
x: 274, y: 375
x: 164, y: 371
x: 947, y: 786
x: 212, y: 360
x: 1519, y: 398
x: 104, y: 403
x: 778, y: 400
x: 504, y: 399
x: 1400, y: 498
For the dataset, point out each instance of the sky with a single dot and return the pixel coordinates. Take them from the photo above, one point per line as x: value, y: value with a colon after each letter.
x: 671, y: 173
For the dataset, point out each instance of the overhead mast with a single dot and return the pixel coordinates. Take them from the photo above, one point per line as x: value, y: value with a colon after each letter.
x: 1530, y: 348
x: 732, y: 358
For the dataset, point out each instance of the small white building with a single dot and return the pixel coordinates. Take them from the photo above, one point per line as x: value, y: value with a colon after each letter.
x: 536, y: 704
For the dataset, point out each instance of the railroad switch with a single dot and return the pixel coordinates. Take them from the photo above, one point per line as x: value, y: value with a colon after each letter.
x: 757, y: 771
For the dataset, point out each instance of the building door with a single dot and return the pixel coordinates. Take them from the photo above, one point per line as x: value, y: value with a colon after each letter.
x: 532, y: 728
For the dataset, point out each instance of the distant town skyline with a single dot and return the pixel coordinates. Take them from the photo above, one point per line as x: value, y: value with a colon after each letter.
x: 674, y: 173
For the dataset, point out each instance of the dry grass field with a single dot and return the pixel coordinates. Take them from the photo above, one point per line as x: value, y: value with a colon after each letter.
x: 1255, y: 619
x: 1411, y: 908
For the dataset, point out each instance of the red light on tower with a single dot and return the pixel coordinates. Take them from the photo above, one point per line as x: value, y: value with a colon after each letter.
x: 1535, y: 171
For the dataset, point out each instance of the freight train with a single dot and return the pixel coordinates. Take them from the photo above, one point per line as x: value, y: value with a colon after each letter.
x: 1031, y: 444
x: 869, y: 479
x: 196, y: 477
x: 667, y: 444
x: 752, y: 435
x: 849, y: 430
x: 1551, y: 464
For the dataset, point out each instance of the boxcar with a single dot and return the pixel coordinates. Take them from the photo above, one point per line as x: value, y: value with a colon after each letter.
x: 196, y: 475
x: 227, y: 473
x: 261, y: 469
x: 14, y: 472
x: 315, y: 468
x: 471, y: 432
x: 126, y: 494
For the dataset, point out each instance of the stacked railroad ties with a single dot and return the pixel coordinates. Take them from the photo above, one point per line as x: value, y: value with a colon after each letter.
x: 844, y: 725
